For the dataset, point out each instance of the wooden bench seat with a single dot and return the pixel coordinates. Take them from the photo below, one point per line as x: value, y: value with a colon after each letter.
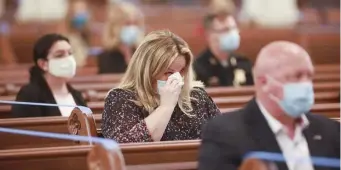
x: 86, y: 79
x: 223, y: 91
x: 23, y: 73
x: 223, y: 96
x: 326, y: 72
x: 134, y: 154
x: 12, y: 86
x: 61, y: 125
x: 320, y: 97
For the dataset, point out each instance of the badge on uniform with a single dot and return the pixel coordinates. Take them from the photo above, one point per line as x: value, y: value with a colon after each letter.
x: 239, y: 77
x: 212, y: 61
x: 233, y: 61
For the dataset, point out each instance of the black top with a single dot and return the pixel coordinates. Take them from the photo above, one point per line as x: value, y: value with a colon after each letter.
x: 111, y: 62
x: 228, y: 137
x: 38, y: 91
x: 238, y: 70
x: 123, y: 120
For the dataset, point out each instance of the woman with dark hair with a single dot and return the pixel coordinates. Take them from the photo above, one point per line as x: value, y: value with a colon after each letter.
x: 53, y: 66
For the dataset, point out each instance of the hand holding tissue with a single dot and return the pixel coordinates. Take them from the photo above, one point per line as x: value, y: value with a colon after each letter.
x: 176, y: 76
x: 170, y: 90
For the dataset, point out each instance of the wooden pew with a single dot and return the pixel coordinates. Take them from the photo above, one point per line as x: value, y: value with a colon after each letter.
x: 174, y: 155
x: 320, y: 97
x: 221, y: 93
x: 134, y: 154
x: 107, y: 82
x: 76, y: 125
x: 324, y: 73
x: 89, y: 78
x: 8, y: 72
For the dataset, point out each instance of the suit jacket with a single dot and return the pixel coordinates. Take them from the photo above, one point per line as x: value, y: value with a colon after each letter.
x: 111, y: 62
x: 238, y: 71
x: 38, y: 91
x: 228, y: 137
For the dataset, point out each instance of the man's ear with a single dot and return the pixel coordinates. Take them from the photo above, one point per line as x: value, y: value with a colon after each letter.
x: 43, y: 64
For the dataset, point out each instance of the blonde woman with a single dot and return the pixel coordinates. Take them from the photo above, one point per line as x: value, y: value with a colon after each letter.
x: 141, y: 109
x: 123, y: 32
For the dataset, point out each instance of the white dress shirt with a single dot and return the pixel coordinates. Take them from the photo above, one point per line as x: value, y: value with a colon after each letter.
x: 295, y: 150
x: 65, y: 100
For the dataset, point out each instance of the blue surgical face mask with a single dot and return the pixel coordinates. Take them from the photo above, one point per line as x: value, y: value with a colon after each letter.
x: 298, y: 98
x: 80, y: 20
x: 229, y: 41
x: 129, y: 35
x: 160, y: 84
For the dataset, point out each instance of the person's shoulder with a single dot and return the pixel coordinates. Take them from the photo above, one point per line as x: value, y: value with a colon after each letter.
x: 322, y: 121
x: 233, y: 117
x: 29, y: 92
x: 204, y: 55
x: 230, y: 122
x: 120, y: 93
x: 30, y: 88
x: 198, y: 90
x: 240, y: 58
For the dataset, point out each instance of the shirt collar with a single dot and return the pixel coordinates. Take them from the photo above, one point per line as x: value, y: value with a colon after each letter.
x: 277, y: 126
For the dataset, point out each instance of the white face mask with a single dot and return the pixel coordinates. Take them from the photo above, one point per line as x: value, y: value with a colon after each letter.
x: 229, y: 41
x: 130, y: 34
x: 176, y: 75
x: 298, y: 98
x: 62, y: 67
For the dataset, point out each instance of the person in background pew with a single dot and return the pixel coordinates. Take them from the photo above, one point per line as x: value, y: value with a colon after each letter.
x: 218, y: 65
x: 78, y: 27
x: 153, y: 104
x: 123, y: 31
x: 54, y: 66
x: 277, y: 119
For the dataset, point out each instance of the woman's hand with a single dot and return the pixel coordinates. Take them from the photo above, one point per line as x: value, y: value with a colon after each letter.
x: 169, y: 93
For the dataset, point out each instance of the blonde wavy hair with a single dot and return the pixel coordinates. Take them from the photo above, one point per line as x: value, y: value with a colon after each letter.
x: 118, y: 14
x: 153, y: 57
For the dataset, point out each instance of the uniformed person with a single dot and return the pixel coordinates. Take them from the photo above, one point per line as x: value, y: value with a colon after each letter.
x: 218, y: 65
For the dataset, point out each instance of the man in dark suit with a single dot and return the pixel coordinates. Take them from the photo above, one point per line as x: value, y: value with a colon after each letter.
x: 276, y: 120
x: 218, y: 64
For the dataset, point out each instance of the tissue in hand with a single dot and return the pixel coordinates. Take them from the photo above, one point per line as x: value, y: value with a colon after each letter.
x: 177, y: 75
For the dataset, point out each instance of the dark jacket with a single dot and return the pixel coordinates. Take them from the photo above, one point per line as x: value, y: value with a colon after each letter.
x: 38, y: 91
x: 228, y: 137
x: 237, y: 72
x: 111, y: 62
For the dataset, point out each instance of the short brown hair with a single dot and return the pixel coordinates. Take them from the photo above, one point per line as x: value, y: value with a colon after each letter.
x: 218, y: 8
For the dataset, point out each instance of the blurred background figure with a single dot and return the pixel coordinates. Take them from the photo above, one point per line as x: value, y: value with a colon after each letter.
x: 218, y: 65
x: 41, y: 10
x: 123, y: 31
x: 78, y: 25
x: 2, y: 7
x: 322, y: 7
x: 54, y: 65
x: 273, y: 13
